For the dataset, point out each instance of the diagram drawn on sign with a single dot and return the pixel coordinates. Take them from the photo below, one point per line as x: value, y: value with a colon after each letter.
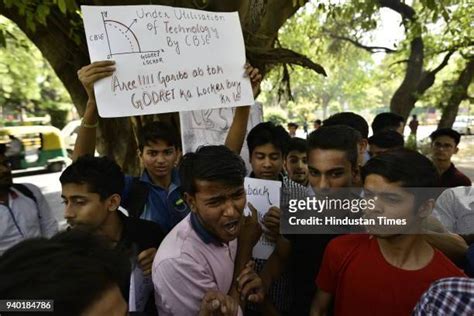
x: 121, y: 39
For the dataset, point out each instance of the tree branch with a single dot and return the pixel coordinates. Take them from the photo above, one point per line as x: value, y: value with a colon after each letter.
x: 443, y: 64
x: 266, y: 58
x: 399, y: 62
x: 428, y: 78
x: 370, y: 49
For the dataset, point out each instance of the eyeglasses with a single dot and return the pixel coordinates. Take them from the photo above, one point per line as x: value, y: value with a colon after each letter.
x: 442, y: 146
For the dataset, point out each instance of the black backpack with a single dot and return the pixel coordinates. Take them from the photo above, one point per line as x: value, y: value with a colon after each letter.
x: 25, y: 191
x: 137, y: 198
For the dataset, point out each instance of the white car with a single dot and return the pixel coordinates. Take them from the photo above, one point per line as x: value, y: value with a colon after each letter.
x: 464, y: 125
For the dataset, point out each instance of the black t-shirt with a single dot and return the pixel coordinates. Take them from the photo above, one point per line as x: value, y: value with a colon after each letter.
x: 139, y: 235
x: 306, y: 257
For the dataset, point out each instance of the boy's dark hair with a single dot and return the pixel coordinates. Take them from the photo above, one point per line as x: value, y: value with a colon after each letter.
x: 351, y: 119
x: 101, y: 175
x: 386, y: 121
x: 409, y: 167
x: 336, y: 137
x: 318, y: 122
x: 155, y: 131
x: 387, y: 139
x: 291, y: 124
x: 268, y: 133
x: 73, y: 268
x: 211, y: 163
x: 297, y: 144
x: 446, y: 132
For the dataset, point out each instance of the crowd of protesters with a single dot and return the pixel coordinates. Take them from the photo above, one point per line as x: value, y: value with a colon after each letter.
x: 175, y: 241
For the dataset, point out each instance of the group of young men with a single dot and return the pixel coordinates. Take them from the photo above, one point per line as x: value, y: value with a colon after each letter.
x: 175, y: 241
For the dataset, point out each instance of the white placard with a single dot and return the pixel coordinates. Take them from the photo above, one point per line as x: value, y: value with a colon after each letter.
x: 167, y: 59
x: 262, y: 194
x: 211, y: 126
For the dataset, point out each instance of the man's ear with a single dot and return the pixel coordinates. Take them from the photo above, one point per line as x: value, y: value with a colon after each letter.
x: 456, y: 149
x: 179, y: 155
x: 113, y: 202
x: 426, y: 208
x: 363, y: 145
x: 285, y: 161
x: 190, y: 201
x: 356, y: 176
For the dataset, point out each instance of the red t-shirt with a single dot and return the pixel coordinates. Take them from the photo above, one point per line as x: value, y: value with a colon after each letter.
x: 364, y: 283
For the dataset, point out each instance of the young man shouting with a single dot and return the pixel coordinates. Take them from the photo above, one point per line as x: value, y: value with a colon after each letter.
x: 199, y: 255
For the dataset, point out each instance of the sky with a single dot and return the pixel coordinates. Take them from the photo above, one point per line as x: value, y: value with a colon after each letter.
x: 388, y: 33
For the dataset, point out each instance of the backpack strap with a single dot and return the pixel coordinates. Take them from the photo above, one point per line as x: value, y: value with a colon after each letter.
x: 137, y: 198
x: 25, y: 191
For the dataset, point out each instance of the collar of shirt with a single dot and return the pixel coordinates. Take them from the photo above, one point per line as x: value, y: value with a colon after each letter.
x: 175, y: 182
x: 12, y: 195
x: 201, y: 231
x: 450, y: 172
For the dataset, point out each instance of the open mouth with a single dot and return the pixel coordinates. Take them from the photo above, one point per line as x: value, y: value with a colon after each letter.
x: 231, y: 226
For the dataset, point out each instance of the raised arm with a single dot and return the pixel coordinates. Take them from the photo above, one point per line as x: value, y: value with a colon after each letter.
x: 451, y: 245
x: 88, y: 75
x: 236, y: 135
x: 321, y: 303
x: 246, y: 287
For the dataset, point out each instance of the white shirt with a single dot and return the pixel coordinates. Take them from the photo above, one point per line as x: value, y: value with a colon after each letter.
x: 22, y: 218
x: 455, y: 209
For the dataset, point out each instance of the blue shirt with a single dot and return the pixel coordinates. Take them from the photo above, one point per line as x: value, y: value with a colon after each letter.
x: 163, y: 206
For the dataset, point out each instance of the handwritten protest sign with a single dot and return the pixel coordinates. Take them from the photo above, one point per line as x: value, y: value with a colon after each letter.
x: 262, y: 194
x: 167, y: 59
x: 210, y: 127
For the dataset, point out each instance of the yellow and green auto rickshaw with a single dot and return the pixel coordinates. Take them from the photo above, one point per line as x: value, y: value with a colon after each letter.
x: 41, y: 147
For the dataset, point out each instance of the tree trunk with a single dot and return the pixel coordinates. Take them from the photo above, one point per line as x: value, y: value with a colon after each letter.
x: 416, y: 80
x: 404, y: 98
x: 458, y: 93
x: 325, y: 105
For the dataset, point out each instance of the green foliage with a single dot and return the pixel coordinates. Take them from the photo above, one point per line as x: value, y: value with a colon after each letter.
x: 350, y: 81
x: 38, y: 11
x: 355, y: 82
x: 275, y: 115
x: 26, y: 79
